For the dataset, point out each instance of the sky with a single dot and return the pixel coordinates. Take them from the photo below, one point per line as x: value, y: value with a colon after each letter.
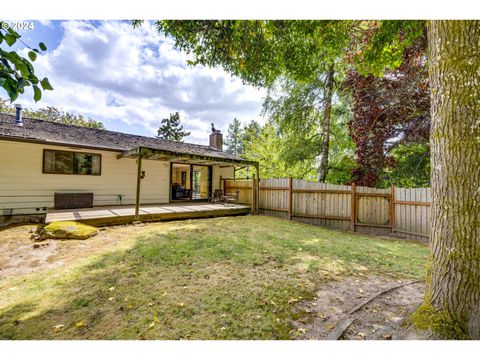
x: 130, y: 79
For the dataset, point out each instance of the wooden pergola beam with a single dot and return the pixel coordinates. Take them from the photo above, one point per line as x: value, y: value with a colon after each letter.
x: 155, y: 154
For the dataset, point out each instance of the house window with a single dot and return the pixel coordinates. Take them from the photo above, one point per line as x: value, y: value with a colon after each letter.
x: 68, y: 162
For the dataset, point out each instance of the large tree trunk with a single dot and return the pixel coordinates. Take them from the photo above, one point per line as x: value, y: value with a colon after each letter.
x: 453, y: 283
x: 323, y: 167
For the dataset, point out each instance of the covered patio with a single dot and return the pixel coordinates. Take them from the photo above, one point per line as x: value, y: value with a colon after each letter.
x: 113, y: 215
x: 147, y: 153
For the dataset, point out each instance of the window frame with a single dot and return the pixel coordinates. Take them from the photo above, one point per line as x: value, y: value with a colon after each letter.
x: 73, y: 153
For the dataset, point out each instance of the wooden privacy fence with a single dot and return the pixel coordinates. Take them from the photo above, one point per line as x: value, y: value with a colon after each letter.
x: 395, y: 211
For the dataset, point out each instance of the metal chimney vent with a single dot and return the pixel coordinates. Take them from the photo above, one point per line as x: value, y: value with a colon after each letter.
x: 18, y: 115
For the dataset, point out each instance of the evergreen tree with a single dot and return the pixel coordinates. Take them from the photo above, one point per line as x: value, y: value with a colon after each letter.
x: 170, y: 129
x: 234, y: 139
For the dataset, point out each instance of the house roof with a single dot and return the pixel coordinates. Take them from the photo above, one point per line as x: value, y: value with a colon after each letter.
x: 48, y: 132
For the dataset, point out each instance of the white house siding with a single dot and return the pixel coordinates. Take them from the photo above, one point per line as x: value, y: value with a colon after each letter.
x: 24, y: 188
x: 224, y: 172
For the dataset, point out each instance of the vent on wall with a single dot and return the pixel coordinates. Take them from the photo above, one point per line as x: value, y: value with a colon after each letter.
x: 7, y: 212
x: 73, y: 200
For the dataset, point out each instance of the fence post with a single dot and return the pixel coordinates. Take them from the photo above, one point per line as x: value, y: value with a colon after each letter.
x: 392, y: 207
x: 290, y: 195
x: 354, y: 207
x: 254, y: 208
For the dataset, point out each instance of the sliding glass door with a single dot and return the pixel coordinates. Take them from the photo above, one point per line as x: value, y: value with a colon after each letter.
x: 201, y: 182
x: 190, y: 182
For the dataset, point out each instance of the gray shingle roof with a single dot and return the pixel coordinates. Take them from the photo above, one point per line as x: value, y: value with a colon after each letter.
x: 50, y: 132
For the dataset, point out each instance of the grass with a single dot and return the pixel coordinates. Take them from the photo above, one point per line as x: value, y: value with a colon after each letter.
x: 223, y: 278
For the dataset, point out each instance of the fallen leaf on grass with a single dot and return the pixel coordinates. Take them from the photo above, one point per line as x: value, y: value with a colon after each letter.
x: 111, y: 298
x: 362, y: 335
x: 58, y: 327
x: 155, y: 320
x: 80, y: 324
x: 112, y: 288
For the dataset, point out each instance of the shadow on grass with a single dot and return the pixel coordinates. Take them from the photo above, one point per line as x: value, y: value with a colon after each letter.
x: 208, y: 279
x: 187, y: 283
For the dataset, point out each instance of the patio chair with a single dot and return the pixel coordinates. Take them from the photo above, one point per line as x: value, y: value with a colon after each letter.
x: 217, y: 196
x: 231, y: 198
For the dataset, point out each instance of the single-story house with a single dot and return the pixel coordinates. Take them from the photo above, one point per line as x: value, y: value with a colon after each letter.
x: 42, y: 162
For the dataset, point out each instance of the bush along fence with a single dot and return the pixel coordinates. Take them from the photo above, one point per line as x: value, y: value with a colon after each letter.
x: 395, y: 211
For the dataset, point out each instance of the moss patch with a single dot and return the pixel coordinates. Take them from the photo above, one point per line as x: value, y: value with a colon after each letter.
x: 67, y: 230
x: 440, y: 322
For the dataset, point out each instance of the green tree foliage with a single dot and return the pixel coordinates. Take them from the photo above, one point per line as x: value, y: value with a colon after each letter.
x: 51, y: 113
x: 238, y: 136
x: 17, y: 72
x: 260, y: 51
x: 170, y: 129
x: 268, y: 148
x: 251, y: 131
x: 412, y: 166
x: 342, y: 148
x: 289, y: 101
x: 234, y: 141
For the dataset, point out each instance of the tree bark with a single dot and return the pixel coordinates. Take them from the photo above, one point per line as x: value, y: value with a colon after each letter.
x: 323, y: 167
x: 453, y: 282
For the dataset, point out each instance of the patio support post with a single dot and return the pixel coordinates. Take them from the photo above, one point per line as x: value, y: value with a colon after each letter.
x: 139, y: 174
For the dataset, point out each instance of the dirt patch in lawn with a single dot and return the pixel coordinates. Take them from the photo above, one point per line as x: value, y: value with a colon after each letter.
x: 384, y: 318
x: 20, y: 255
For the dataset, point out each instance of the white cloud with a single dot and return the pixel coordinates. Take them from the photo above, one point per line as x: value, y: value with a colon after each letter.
x: 132, y: 78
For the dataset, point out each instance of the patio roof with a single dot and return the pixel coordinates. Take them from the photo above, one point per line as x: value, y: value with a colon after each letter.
x: 148, y: 153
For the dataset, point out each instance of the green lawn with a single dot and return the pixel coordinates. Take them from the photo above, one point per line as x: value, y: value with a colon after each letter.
x: 223, y: 278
